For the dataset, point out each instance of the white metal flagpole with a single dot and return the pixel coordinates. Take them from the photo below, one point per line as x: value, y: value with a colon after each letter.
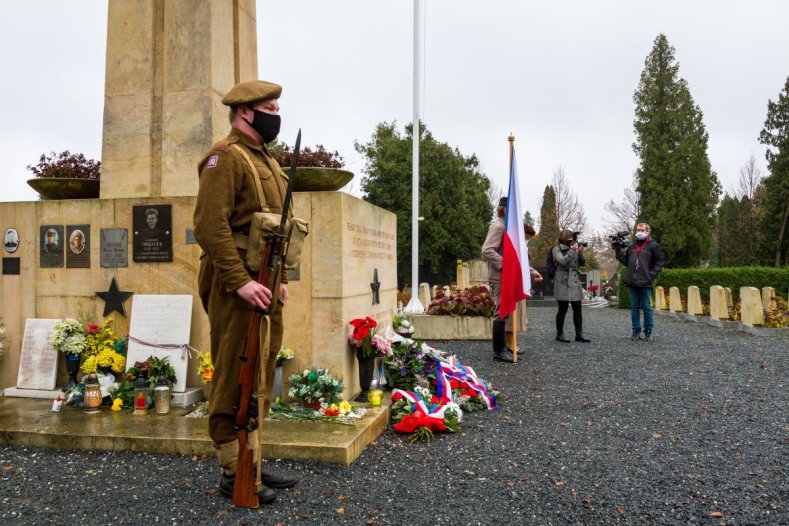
x: 415, y: 306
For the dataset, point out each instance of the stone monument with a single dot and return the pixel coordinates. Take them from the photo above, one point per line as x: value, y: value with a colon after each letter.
x: 169, y: 63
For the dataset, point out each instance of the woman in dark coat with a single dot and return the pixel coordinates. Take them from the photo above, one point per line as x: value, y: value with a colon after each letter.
x: 568, y: 256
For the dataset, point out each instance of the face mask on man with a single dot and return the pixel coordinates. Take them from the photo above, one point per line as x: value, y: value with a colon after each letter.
x: 641, y: 236
x: 266, y: 124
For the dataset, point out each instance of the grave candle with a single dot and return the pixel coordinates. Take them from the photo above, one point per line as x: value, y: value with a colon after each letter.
x: 140, y: 397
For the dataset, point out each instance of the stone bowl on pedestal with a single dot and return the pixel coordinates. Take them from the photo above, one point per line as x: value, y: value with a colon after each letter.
x: 65, y: 187
x: 317, y: 179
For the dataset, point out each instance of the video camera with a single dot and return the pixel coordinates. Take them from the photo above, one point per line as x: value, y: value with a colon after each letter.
x: 575, y: 240
x: 619, y: 240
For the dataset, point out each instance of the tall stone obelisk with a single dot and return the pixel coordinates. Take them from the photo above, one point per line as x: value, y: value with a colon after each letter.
x: 169, y: 62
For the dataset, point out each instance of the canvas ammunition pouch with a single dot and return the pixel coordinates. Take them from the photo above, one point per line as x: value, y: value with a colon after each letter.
x: 264, y: 224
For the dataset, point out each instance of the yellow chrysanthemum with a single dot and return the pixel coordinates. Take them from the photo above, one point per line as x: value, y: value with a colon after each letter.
x: 89, y: 365
x: 118, y: 363
x: 345, y: 406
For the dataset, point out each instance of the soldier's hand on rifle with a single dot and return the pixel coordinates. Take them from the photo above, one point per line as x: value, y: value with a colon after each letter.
x: 283, y: 292
x: 255, y: 294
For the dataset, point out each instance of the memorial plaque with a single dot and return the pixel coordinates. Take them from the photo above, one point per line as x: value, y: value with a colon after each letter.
x: 11, y: 240
x: 10, y: 266
x: 51, y: 243
x: 189, y: 237
x: 38, y: 363
x: 78, y: 252
x: 161, y: 320
x: 153, y: 239
x: 114, y: 247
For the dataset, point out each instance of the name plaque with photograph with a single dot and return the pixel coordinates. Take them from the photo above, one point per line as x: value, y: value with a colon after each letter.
x: 78, y: 251
x: 153, y: 239
x: 51, y: 246
x: 114, y: 247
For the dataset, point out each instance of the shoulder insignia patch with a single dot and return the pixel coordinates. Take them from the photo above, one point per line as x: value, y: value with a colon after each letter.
x: 212, y: 161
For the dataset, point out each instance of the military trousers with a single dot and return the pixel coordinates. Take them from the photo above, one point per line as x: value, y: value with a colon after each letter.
x: 228, y: 317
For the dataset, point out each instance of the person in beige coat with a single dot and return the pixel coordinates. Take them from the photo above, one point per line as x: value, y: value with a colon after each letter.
x: 226, y: 199
x: 492, y: 250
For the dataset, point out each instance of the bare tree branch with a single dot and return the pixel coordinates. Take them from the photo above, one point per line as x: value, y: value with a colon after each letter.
x: 624, y: 214
x: 750, y: 177
x: 569, y: 210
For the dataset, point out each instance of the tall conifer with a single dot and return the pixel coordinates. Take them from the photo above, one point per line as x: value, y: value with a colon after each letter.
x: 548, y: 234
x: 678, y: 189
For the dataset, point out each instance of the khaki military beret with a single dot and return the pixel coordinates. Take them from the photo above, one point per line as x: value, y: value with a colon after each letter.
x: 251, y: 91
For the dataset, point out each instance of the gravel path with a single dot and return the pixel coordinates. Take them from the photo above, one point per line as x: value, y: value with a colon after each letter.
x: 690, y: 429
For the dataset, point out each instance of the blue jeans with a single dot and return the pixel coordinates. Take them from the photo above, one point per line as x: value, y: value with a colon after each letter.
x: 641, y: 298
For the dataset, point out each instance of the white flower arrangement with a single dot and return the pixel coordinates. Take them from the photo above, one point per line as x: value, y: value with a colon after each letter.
x: 315, y: 384
x: 402, y: 325
x: 69, y: 337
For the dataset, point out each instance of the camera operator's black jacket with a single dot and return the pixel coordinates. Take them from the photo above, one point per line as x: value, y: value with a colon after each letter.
x: 650, y: 263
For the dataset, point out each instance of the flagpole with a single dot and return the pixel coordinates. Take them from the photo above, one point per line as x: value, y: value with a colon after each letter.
x: 414, y: 305
x: 514, y: 313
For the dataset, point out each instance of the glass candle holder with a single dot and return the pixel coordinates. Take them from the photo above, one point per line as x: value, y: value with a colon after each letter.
x: 140, y: 397
x: 375, y: 397
x: 92, y: 397
x: 161, y: 397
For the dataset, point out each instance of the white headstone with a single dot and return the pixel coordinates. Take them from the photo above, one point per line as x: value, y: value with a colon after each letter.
x: 38, y: 362
x: 718, y: 308
x: 424, y: 294
x: 161, y: 320
x: 674, y: 301
x: 694, y: 301
x: 768, y: 293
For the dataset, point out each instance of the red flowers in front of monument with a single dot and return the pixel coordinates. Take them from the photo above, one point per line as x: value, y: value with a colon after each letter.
x: 363, y: 332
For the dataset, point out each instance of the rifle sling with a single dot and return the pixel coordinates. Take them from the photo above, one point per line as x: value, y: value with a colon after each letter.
x: 265, y: 344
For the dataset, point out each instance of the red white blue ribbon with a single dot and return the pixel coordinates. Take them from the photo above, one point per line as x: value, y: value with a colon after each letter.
x: 417, y: 402
x: 453, y: 369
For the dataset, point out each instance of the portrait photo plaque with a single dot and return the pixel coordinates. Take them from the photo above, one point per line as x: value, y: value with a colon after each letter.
x: 153, y: 239
x: 11, y: 240
x: 51, y: 242
x: 114, y: 247
x: 78, y: 251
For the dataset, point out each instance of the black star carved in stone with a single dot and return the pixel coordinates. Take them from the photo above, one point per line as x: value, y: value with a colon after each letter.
x: 376, y: 286
x: 114, y: 298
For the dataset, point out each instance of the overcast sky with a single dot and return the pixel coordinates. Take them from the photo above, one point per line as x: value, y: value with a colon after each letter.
x: 559, y: 75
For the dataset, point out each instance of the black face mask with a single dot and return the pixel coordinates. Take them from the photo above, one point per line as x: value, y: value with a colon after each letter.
x: 266, y: 124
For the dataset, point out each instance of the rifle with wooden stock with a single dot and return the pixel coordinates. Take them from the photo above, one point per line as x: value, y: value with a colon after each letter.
x: 246, y: 487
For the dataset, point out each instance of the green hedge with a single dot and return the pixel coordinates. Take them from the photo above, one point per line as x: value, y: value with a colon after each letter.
x: 704, y: 278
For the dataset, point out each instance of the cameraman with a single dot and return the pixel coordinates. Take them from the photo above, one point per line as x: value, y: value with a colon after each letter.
x: 644, y: 261
x: 568, y: 255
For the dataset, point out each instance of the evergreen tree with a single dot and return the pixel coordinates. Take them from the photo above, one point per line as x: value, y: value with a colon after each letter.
x: 453, y: 199
x: 678, y: 189
x: 528, y: 219
x: 774, y: 200
x: 548, y: 234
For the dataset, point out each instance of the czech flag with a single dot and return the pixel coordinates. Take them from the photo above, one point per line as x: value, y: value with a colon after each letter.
x: 515, y: 275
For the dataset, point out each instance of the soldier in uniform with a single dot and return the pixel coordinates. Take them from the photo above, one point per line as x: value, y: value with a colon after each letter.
x: 226, y: 200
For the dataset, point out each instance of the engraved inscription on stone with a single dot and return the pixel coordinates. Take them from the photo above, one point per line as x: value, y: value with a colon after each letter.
x: 38, y: 363
x: 78, y: 253
x: 51, y: 244
x: 114, y: 247
x: 161, y: 320
x: 153, y: 237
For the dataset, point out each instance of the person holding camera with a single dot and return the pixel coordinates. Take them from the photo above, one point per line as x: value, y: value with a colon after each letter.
x: 568, y: 256
x: 644, y: 261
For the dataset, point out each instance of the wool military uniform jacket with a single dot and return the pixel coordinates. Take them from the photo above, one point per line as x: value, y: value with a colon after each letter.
x: 567, y: 282
x: 227, y: 198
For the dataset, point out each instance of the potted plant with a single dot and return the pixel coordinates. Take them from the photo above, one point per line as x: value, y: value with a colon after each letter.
x: 318, y: 170
x: 313, y: 386
x: 66, y: 176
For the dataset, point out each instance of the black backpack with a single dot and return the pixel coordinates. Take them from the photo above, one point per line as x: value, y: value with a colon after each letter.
x: 550, y: 265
